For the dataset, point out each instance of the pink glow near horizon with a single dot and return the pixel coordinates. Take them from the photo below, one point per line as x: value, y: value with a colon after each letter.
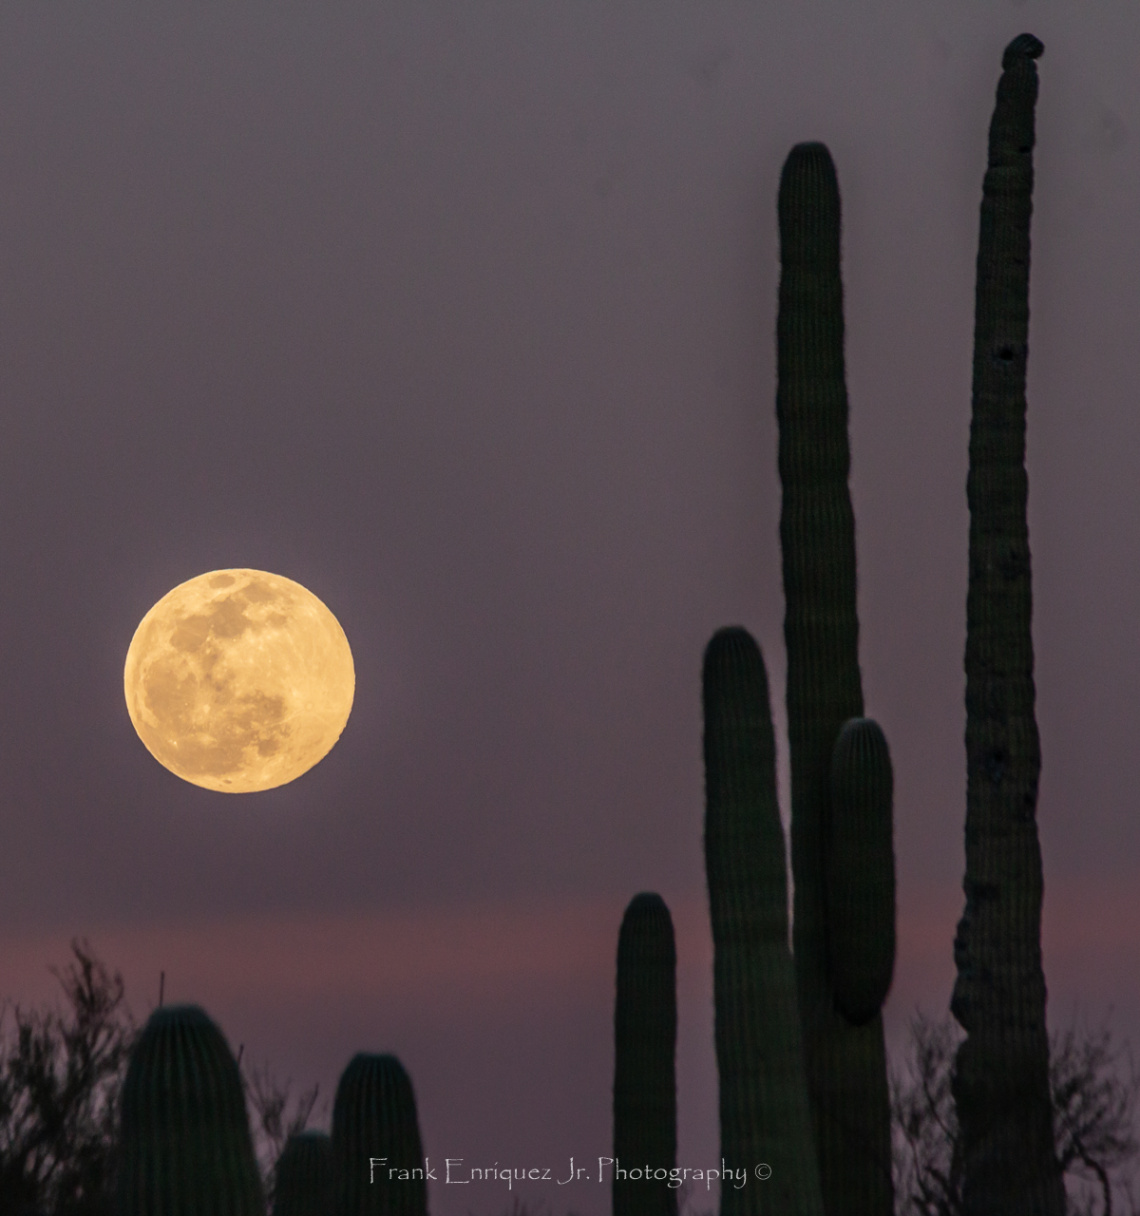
x: 1091, y: 931
x: 302, y: 993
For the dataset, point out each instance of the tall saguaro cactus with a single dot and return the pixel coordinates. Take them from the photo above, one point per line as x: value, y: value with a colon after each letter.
x: 645, y: 1045
x: 764, y: 1115
x: 845, y: 1062
x: 185, y: 1145
x: 1007, y: 1159
x: 374, y: 1115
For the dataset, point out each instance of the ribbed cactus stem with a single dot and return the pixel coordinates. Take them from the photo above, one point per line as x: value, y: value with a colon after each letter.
x: 645, y: 1043
x: 185, y: 1145
x: 764, y: 1115
x: 846, y: 1065
x: 374, y: 1116
x: 859, y: 872
x: 1006, y: 1154
x: 303, y: 1176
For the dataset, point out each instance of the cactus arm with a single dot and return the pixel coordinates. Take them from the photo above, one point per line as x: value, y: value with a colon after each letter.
x: 859, y: 872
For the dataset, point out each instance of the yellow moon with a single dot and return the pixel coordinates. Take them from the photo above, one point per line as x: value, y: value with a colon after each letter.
x: 239, y: 680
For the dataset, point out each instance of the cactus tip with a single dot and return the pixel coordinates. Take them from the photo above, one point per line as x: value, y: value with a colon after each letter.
x: 1023, y: 46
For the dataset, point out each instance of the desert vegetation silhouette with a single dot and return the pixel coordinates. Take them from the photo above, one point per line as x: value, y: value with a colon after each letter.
x: 101, y: 1117
x: 63, y: 1066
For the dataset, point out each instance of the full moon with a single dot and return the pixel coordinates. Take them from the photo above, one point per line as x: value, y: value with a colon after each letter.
x: 239, y: 680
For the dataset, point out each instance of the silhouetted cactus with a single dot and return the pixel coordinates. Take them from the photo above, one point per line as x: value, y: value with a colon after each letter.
x: 764, y: 1115
x: 374, y: 1116
x: 1006, y: 1158
x: 859, y: 872
x: 185, y: 1147
x: 303, y: 1177
x: 845, y: 1063
x: 645, y: 1043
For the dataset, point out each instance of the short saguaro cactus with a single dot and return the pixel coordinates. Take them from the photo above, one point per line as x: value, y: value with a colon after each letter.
x: 645, y: 1044
x: 374, y: 1120
x: 303, y: 1177
x: 185, y: 1145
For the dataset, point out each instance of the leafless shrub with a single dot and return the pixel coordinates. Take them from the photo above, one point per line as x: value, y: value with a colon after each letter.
x: 1094, y: 1085
x: 60, y: 1076
x: 273, y: 1117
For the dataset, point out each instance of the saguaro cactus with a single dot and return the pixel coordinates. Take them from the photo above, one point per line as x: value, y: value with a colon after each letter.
x: 859, y: 872
x: 302, y: 1184
x: 764, y: 1115
x: 846, y: 1063
x: 645, y: 1044
x: 374, y: 1116
x: 1007, y: 1159
x: 185, y: 1146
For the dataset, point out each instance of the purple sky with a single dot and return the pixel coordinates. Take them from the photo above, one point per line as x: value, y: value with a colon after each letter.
x: 463, y: 316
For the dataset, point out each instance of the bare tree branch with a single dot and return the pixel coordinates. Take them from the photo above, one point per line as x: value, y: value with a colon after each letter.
x: 1095, y: 1087
x: 271, y: 1118
x: 60, y: 1073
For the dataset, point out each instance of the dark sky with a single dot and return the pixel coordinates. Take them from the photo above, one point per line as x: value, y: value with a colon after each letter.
x: 463, y: 316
